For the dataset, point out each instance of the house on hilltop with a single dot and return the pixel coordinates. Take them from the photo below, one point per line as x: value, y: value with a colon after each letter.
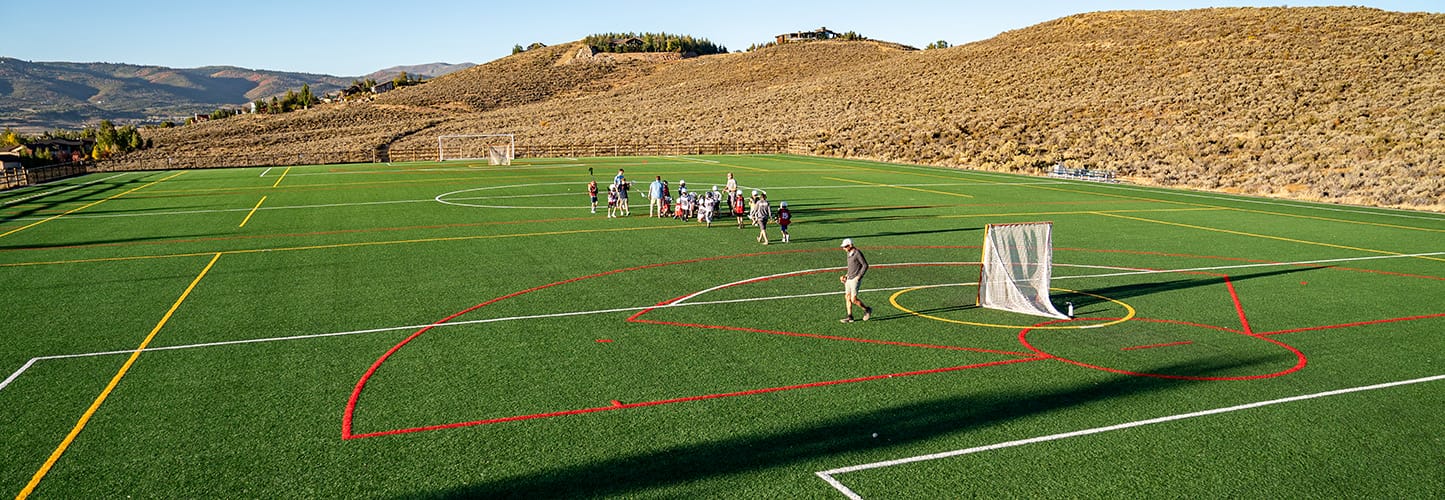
x: 57, y: 148
x: 804, y: 36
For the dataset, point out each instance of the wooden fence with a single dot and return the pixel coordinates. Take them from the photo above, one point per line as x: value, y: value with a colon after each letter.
x: 391, y: 154
x: 17, y: 177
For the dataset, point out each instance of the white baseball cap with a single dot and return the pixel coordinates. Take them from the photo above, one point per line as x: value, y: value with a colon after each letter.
x: 783, y: 204
x: 847, y: 242
x: 755, y: 192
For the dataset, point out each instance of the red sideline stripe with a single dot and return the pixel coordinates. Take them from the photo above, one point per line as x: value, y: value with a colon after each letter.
x: 689, y: 398
x: 1239, y: 308
x: 1151, y: 346
x: 1361, y: 323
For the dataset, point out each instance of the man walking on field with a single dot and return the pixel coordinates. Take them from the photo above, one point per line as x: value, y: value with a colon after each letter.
x: 852, y: 279
x: 654, y: 195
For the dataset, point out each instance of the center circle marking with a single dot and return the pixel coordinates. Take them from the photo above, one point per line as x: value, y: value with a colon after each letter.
x: 893, y: 299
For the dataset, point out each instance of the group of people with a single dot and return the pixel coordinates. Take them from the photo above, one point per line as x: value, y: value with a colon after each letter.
x: 692, y: 205
x: 704, y: 206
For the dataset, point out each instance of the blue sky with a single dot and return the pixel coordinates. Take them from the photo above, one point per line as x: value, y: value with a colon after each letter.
x: 355, y: 37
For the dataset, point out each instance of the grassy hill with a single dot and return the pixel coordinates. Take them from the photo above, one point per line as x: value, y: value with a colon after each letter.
x: 46, y: 95
x: 1333, y: 104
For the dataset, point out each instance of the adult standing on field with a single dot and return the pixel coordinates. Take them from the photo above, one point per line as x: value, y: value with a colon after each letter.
x: 731, y: 189
x: 654, y: 194
x: 852, y: 279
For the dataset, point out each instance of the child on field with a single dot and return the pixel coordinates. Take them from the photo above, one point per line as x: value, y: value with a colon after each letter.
x: 592, y: 191
x: 785, y: 217
x: 762, y: 212
x: 737, y: 203
x: 704, y: 213
x: 611, y: 201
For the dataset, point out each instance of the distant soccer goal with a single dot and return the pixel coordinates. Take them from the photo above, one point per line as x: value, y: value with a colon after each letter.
x: 497, y: 149
x: 1018, y: 262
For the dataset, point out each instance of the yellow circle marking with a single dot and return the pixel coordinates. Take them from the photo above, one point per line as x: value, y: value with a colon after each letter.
x: 1131, y: 313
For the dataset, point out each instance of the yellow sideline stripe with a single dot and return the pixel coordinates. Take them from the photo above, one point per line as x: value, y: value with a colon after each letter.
x: 253, y: 212
x: 85, y: 418
x: 74, y: 210
x: 910, y: 188
x: 283, y: 176
x: 1264, y: 236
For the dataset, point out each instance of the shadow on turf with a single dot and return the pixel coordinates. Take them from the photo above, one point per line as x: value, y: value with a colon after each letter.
x: 1124, y: 292
x: 889, y: 233
x: 845, y: 435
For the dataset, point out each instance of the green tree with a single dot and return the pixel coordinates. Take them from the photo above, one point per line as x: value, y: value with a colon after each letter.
x: 938, y: 45
x: 517, y: 49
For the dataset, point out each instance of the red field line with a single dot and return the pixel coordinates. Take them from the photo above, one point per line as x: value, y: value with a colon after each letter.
x: 616, y: 405
x: 298, y: 235
x: 1348, y: 325
x: 1151, y: 346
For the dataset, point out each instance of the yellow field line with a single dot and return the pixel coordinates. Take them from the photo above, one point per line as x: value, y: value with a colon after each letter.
x: 74, y: 210
x: 85, y: 418
x: 1085, y: 212
x: 1345, y: 221
x: 253, y: 212
x: 910, y: 188
x: 1264, y: 236
x: 283, y: 176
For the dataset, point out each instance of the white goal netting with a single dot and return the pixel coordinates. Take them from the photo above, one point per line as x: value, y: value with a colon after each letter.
x: 497, y: 149
x: 1017, y: 266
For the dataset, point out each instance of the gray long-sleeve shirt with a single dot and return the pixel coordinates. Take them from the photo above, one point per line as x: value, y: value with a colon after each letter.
x: 857, y: 265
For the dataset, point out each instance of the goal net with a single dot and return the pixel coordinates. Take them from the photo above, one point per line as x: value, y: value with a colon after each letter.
x: 1017, y: 265
x: 497, y: 149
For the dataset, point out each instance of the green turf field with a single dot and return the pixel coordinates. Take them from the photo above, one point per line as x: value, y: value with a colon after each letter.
x: 471, y: 330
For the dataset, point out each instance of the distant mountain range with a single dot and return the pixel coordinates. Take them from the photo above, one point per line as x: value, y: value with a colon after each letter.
x: 40, y: 96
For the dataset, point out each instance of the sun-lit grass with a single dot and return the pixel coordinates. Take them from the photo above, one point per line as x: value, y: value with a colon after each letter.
x: 532, y: 348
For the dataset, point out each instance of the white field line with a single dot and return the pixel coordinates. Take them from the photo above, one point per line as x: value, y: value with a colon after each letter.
x: 357, y: 204
x: 60, y: 190
x: 267, y: 171
x: 1382, y: 211
x: 684, y: 302
x: 224, y: 210
x: 692, y: 159
x: 828, y: 475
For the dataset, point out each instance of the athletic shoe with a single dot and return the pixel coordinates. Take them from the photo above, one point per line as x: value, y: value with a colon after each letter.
x: 867, y: 313
x: 846, y: 319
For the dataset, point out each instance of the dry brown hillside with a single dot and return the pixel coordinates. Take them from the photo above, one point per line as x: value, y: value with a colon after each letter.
x: 1337, y: 104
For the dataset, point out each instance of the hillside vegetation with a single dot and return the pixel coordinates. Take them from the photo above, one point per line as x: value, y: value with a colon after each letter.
x: 1336, y: 104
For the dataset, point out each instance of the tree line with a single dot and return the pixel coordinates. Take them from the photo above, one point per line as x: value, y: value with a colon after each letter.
x: 652, y: 42
x: 109, y: 141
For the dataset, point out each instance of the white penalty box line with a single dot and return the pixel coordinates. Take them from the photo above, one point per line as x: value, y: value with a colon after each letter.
x: 685, y: 301
x: 830, y: 475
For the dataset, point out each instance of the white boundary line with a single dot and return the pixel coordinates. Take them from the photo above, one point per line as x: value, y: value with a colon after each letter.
x: 60, y: 190
x: 828, y: 475
x: 683, y: 302
x: 1384, y: 211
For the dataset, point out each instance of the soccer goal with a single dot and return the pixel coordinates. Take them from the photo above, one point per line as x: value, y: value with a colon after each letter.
x: 1017, y: 265
x: 497, y: 149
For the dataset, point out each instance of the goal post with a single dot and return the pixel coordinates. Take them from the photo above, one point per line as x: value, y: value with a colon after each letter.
x: 497, y: 149
x: 1016, y: 269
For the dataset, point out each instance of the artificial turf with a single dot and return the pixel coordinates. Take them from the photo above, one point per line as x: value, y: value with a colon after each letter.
x: 453, y: 329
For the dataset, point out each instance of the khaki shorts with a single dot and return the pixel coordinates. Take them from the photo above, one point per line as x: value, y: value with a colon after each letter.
x: 850, y: 287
